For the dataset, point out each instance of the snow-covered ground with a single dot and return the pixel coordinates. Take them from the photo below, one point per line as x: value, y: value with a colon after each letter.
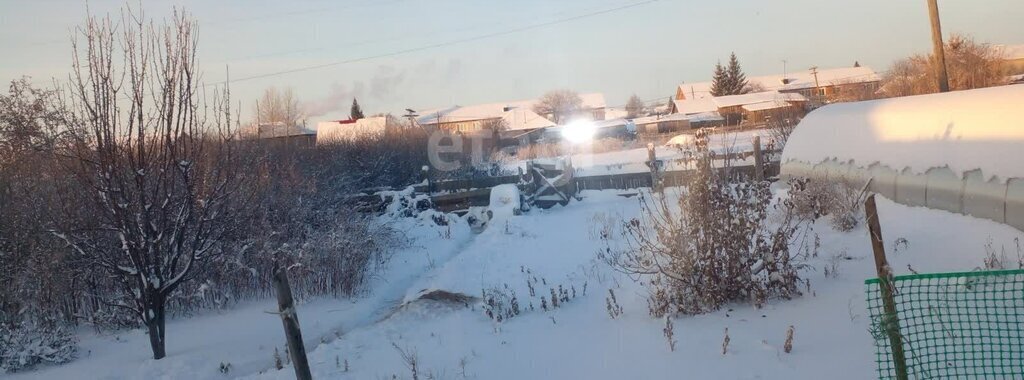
x: 576, y: 340
x: 634, y: 160
x: 246, y: 335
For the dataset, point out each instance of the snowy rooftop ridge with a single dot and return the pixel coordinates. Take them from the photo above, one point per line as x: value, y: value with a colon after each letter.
x: 350, y: 129
x: 766, y: 99
x: 495, y: 110
x: 797, y: 80
x: 524, y: 119
x: 693, y: 117
x: 962, y: 130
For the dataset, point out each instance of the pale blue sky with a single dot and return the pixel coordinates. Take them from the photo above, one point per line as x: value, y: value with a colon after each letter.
x: 647, y: 49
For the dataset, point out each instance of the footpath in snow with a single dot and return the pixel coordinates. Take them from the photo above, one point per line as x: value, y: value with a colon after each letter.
x: 578, y: 339
x: 246, y: 335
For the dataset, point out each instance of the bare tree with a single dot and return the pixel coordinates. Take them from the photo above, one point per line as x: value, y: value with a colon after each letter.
x: 969, y: 65
x: 152, y: 163
x: 280, y: 109
x: 559, y: 105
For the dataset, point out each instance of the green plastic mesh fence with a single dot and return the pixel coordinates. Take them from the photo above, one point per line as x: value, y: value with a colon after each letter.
x: 952, y: 325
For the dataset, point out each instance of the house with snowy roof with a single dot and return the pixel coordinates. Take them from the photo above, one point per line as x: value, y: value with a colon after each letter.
x: 1013, y: 58
x: 677, y: 122
x: 818, y: 85
x: 515, y: 115
x: 280, y: 134
x: 751, y: 108
x: 349, y: 130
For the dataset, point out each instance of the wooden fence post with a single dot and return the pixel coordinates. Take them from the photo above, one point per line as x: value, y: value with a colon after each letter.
x: 890, y: 321
x: 425, y: 173
x: 652, y: 161
x: 290, y: 319
x: 758, y: 160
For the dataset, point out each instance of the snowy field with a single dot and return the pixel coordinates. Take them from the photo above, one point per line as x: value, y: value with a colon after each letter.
x: 578, y: 339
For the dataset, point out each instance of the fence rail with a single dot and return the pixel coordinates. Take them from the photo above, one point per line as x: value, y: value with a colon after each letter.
x: 952, y: 325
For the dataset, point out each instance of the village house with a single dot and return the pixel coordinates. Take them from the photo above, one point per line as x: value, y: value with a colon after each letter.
x: 280, y: 134
x: 747, y: 109
x: 349, y: 130
x: 613, y: 128
x: 676, y: 122
x: 820, y: 86
x: 467, y: 119
x: 1013, y: 58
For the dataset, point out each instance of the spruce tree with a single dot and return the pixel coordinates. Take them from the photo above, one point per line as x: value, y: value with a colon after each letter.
x: 737, y: 81
x: 355, y: 113
x: 719, y: 83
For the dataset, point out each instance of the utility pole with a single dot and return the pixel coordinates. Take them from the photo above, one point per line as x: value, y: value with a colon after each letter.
x: 817, y: 89
x: 940, y: 55
x: 258, y: 119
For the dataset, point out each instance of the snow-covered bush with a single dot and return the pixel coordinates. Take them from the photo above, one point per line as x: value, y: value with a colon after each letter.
x: 715, y: 245
x: 24, y: 345
x: 838, y: 199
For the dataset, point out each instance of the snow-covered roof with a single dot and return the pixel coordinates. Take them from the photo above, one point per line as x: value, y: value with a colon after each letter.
x: 495, y: 110
x: 348, y: 129
x: 271, y: 130
x: 691, y: 106
x: 798, y: 80
x: 703, y: 116
x: 962, y: 130
x: 1011, y: 52
x: 597, y: 125
x: 524, y: 119
x: 769, y: 105
x: 713, y: 103
x: 757, y: 97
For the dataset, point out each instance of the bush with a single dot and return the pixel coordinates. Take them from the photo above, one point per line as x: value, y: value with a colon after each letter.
x: 840, y: 200
x: 715, y: 246
x: 24, y: 345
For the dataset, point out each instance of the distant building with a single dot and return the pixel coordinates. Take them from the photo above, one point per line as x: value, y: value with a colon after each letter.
x: 473, y: 118
x: 616, y: 128
x: 1013, y: 56
x: 677, y: 122
x: 821, y: 86
x: 348, y: 130
x: 279, y: 133
x: 752, y: 108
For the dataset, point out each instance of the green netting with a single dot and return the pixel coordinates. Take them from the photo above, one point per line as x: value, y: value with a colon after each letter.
x: 952, y: 325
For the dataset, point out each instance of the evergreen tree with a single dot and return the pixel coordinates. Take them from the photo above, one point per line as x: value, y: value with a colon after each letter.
x: 719, y: 82
x: 355, y: 113
x: 736, y: 80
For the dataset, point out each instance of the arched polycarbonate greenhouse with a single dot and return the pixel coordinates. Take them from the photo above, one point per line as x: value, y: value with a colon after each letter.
x: 960, y: 151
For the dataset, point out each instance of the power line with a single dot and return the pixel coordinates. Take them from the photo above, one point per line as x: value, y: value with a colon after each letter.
x: 441, y: 44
